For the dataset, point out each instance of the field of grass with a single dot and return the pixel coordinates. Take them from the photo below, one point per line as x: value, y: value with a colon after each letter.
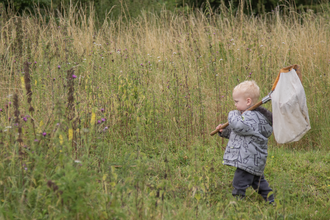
x: 114, y: 123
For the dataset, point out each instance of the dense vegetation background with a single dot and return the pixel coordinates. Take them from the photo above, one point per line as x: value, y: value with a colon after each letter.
x: 110, y: 119
x: 134, y: 7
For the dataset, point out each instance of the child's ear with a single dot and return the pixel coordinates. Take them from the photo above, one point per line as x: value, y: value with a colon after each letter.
x: 248, y: 101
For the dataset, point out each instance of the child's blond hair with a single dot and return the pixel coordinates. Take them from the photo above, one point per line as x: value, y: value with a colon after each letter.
x: 249, y: 89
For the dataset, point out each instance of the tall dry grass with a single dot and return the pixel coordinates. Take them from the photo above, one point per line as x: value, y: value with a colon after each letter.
x: 184, y: 64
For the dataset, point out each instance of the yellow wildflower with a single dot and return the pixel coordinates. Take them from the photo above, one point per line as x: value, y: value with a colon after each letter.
x: 70, y: 134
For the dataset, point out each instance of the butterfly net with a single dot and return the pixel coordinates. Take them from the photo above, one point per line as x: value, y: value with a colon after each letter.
x: 290, y: 112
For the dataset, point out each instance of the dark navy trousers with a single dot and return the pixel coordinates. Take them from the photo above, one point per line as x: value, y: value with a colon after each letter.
x: 242, y: 180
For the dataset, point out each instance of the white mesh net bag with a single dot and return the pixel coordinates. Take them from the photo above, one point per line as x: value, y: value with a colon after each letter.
x: 290, y: 112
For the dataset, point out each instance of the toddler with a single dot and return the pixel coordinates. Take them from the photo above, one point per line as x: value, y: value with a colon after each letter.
x: 248, y: 134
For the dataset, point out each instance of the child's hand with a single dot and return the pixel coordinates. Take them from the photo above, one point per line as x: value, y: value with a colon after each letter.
x: 218, y: 127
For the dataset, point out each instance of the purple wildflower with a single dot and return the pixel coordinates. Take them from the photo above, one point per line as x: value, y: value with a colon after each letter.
x: 25, y: 119
x: 103, y: 119
x: 36, y: 140
x: 44, y: 134
x: 25, y: 168
x: 98, y: 121
x: 102, y: 109
x: 0, y: 109
x: 35, y: 62
x: 74, y: 76
x: 59, y: 67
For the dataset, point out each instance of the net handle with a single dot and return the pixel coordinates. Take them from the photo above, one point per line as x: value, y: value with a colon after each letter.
x: 227, y: 123
x: 283, y: 70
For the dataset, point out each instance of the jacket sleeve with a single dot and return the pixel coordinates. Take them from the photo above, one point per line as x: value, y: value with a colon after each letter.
x: 243, y: 124
x: 225, y: 133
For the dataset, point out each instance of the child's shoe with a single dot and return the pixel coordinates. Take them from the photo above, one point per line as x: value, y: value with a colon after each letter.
x: 271, y: 202
x: 238, y: 194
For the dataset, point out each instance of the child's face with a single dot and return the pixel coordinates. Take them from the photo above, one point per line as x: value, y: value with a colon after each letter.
x: 241, y: 102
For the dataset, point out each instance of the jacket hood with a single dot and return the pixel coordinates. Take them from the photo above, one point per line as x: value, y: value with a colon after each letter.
x: 265, y: 112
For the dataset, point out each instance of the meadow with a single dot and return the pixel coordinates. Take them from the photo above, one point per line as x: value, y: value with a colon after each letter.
x: 113, y: 122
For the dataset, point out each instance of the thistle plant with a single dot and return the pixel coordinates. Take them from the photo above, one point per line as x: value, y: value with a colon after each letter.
x: 27, y: 83
x: 70, y: 84
x: 17, y: 119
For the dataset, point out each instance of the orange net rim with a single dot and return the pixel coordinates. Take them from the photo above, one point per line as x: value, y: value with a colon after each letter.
x: 286, y: 70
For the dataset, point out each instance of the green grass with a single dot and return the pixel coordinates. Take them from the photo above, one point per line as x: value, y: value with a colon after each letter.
x: 189, y: 184
x: 161, y: 84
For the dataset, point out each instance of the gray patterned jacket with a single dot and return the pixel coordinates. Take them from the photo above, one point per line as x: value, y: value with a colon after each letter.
x: 248, y: 137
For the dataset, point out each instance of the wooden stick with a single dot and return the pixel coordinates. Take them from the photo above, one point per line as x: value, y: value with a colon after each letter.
x: 227, y: 123
x: 283, y: 70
